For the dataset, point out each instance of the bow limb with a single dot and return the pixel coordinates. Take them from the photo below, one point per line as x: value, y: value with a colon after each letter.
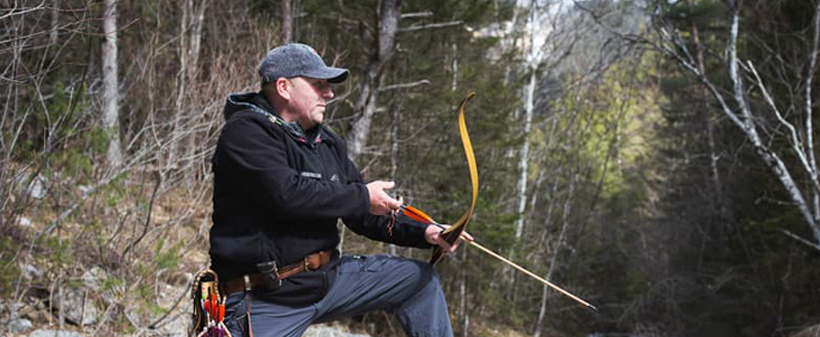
x: 453, y: 232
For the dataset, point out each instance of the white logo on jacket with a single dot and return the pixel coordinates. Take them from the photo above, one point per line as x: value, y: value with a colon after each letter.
x: 312, y: 175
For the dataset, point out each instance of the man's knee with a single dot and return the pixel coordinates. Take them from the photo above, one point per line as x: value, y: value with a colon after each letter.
x: 427, y: 278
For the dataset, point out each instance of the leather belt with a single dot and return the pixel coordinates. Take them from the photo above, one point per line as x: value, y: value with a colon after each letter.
x: 311, y: 262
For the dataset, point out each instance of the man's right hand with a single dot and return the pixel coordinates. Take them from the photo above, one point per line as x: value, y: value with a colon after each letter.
x: 380, y: 202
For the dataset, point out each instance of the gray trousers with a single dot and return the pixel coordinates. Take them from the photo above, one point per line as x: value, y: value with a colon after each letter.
x: 407, y: 288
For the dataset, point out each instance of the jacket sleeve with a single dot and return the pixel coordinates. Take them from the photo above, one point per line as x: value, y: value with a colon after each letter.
x: 404, y: 232
x: 252, y: 153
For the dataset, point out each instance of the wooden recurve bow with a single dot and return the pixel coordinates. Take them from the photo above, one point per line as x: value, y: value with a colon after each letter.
x: 452, y: 233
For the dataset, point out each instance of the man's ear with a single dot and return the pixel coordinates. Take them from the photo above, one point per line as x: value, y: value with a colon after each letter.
x: 283, y: 88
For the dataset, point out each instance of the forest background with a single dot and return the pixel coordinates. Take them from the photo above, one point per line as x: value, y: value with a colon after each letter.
x: 654, y: 157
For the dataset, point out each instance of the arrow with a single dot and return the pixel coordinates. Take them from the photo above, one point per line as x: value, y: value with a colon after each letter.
x: 418, y: 215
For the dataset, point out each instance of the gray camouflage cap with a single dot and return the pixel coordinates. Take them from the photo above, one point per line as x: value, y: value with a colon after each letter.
x: 296, y: 59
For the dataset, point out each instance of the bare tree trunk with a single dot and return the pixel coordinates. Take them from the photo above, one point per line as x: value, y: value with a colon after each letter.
x: 717, y: 185
x: 53, y: 34
x: 394, y: 155
x: 532, y: 65
x: 111, y: 97
x: 523, y: 161
x: 182, y: 83
x: 509, y: 45
x: 286, y: 23
x: 532, y: 61
x: 553, y: 261
x: 748, y: 126
x: 389, y: 14
x: 295, y: 8
x: 465, y: 314
x: 809, y: 126
x: 190, y: 139
x: 454, y: 78
x: 183, y: 143
x: 12, y: 121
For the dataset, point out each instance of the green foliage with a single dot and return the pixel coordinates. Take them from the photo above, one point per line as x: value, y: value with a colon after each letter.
x: 58, y: 253
x: 9, y: 270
x: 167, y: 258
x: 58, y: 135
x: 52, y: 117
x: 116, y: 190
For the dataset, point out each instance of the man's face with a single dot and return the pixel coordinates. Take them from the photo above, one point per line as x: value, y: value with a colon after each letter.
x: 308, y: 100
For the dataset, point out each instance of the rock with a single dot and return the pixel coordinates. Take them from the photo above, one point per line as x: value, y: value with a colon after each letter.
x: 24, y: 222
x: 91, y: 278
x: 176, y: 328
x: 54, y: 333
x: 31, y: 272
x: 132, y: 314
x: 78, y: 304
x: 175, y: 324
x: 14, y: 309
x: 37, y: 189
x: 321, y: 330
x: 19, y: 325
x: 78, y: 307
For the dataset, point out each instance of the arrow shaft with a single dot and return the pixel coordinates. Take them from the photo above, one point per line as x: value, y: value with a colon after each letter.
x: 530, y: 274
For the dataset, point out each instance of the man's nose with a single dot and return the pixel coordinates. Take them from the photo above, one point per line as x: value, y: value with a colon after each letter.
x: 328, y: 93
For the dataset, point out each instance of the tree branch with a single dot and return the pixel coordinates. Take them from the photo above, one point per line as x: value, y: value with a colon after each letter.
x: 414, y: 28
x: 416, y: 15
x: 796, y: 143
x: 403, y: 85
x: 22, y: 10
x: 799, y: 239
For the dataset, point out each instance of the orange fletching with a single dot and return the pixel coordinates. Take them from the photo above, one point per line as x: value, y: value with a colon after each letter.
x: 417, y: 214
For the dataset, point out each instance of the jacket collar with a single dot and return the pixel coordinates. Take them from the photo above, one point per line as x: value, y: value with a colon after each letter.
x: 256, y: 102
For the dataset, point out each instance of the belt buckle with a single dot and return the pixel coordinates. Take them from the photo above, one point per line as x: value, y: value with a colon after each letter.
x: 307, y: 263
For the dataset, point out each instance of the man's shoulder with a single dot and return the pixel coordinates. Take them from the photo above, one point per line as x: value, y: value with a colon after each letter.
x: 244, y: 127
x: 250, y: 118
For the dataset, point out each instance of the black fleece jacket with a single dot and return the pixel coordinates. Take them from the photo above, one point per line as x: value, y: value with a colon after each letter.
x: 278, y: 192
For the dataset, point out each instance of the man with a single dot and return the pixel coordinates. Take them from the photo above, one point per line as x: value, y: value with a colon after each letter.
x: 281, y: 181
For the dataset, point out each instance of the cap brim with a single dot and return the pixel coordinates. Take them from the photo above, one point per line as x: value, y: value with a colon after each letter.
x: 331, y: 74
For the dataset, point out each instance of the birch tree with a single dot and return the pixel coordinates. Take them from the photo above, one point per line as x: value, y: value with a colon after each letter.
x: 183, y: 140
x: 738, y: 104
x: 111, y: 99
x: 746, y: 85
x: 383, y: 49
x: 531, y: 65
x: 286, y: 22
x: 553, y: 34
